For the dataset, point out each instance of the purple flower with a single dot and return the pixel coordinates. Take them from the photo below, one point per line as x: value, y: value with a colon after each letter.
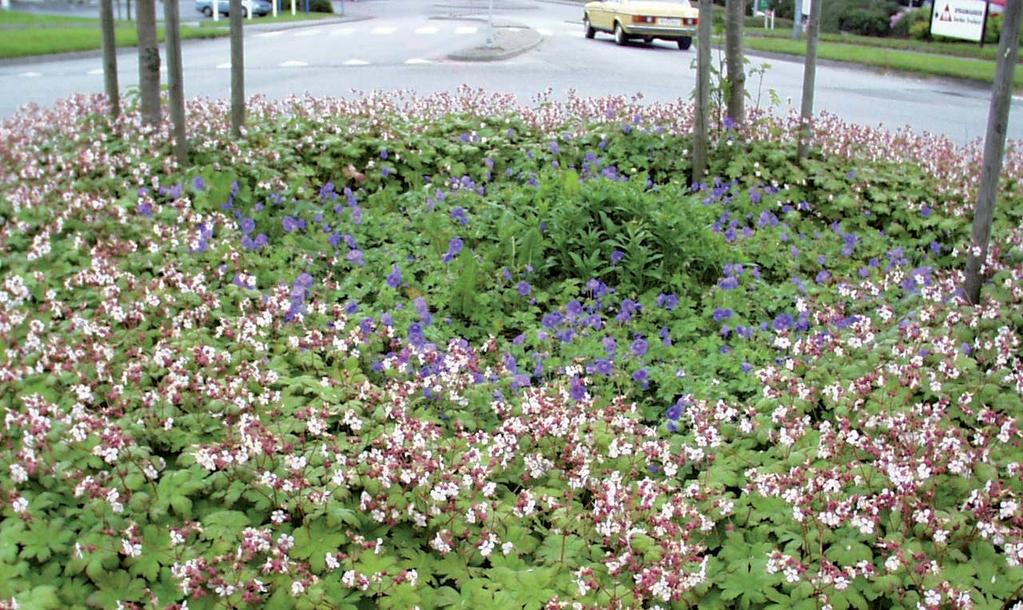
x: 394, y: 277
x: 627, y: 309
x: 610, y: 346
x: 383, y: 154
x: 422, y: 310
x: 524, y: 288
x: 356, y: 258
x: 665, y: 336
x: 720, y: 315
x: 248, y: 225
x: 578, y: 390
x: 617, y: 256
x: 458, y: 215
x: 454, y: 249
x: 415, y: 335
x: 641, y: 377
x: 146, y: 209
x: 678, y: 409
x: 782, y: 322
x: 254, y: 244
x: 291, y: 224
x: 729, y: 283
x: 198, y: 184
x: 554, y: 147
x: 667, y: 301
x: 639, y: 347
x: 602, y: 366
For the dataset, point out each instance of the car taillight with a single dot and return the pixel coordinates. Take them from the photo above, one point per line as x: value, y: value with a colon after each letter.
x: 642, y: 19
x: 688, y: 21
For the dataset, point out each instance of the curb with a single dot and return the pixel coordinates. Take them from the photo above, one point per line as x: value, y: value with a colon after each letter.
x: 484, y: 54
x: 274, y: 27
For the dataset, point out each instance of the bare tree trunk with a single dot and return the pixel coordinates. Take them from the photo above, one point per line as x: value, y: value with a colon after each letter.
x: 149, y: 61
x: 735, y: 14
x: 994, y: 149
x: 237, y: 70
x: 127, y: 8
x: 175, y: 79
x: 106, y: 21
x: 701, y: 127
x: 809, y: 76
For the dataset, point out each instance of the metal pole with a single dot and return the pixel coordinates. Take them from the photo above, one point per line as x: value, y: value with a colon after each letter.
x: 797, y: 20
x: 237, y: 70
x: 994, y: 149
x: 490, y: 26
x: 275, y: 6
x: 292, y: 8
x: 215, y: 7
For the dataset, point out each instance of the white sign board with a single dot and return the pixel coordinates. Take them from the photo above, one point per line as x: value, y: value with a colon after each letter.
x: 806, y: 8
x: 959, y: 19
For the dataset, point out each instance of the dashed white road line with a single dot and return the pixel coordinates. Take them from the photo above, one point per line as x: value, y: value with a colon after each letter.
x: 383, y: 30
x: 291, y: 63
x: 427, y: 29
x: 466, y: 29
x: 343, y: 32
x: 224, y: 66
x: 415, y: 61
x: 543, y: 32
x: 269, y: 34
x: 95, y: 72
x: 31, y: 74
x: 356, y: 62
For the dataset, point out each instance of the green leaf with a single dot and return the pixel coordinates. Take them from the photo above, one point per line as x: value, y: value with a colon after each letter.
x: 314, y: 540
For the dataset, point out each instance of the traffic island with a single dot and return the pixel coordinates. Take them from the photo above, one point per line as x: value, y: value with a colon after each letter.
x: 508, y: 42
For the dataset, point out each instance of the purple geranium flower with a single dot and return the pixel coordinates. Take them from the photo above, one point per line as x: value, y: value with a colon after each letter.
x: 454, y: 249
x: 394, y: 277
x: 720, y: 315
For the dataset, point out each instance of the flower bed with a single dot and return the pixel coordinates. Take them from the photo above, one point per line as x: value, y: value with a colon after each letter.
x: 451, y: 352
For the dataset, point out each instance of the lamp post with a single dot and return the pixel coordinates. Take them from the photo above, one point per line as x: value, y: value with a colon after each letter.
x: 490, y: 26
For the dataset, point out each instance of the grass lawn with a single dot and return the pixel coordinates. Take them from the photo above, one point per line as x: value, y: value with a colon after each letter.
x: 26, y: 34
x: 893, y: 59
x: 957, y: 49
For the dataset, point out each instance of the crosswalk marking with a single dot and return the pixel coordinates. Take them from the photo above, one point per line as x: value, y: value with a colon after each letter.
x: 466, y: 29
x: 95, y: 72
x: 356, y: 62
x: 291, y: 63
x: 31, y: 74
x: 269, y: 34
x: 224, y: 66
x: 415, y: 61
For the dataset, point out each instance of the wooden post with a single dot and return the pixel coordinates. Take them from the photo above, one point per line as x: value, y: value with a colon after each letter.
x: 106, y: 21
x: 237, y: 70
x: 809, y: 76
x: 175, y: 79
x: 149, y: 62
x: 994, y: 149
x: 797, y: 20
x: 701, y: 134
x: 127, y: 8
x: 735, y: 11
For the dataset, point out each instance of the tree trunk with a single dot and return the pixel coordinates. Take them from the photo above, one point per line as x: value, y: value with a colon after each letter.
x: 149, y: 61
x: 797, y: 20
x: 809, y: 76
x: 701, y: 124
x: 994, y: 149
x: 106, y: 21
x: 736, y: 13
x: 237, y: 70
x: 175, y: 79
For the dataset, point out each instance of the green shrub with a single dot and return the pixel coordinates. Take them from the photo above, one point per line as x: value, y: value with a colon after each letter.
x: 321, y: 6
x: 837, y: 13
x: 921, y: 30
x: 865, y: 22
x: 908, y: 20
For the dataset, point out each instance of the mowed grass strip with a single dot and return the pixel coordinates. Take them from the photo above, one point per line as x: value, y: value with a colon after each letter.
x: 889, y: 59
x: 27, y: 34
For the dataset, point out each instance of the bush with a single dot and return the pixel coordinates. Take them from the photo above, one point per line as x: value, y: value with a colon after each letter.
x: 865, y: 22
x: 321, y: 6
x: 921, y: 30
x: 994, y: 30
x: 783, y: 9
x: 908, y: 20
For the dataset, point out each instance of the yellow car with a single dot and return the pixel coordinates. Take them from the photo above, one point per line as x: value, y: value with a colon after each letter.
x: 646, y: 19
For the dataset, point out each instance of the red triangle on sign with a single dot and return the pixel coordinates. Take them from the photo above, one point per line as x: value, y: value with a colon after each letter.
x: 946, y: 15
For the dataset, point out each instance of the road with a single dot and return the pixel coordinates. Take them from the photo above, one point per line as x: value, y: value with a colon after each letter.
x: 402, y: 44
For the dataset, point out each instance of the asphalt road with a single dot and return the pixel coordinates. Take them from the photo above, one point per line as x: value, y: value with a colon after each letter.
x: 402, y: 44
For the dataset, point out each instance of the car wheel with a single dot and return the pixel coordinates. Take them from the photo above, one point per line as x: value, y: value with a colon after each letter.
x: 590, y: 32
x: 208, y: 11
x: 620, y: 36
x: 685, y: 43
x: 648, y: 40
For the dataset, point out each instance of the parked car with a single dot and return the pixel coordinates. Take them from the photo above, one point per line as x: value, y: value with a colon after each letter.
x: 258, y: 7
x: 644, y: 19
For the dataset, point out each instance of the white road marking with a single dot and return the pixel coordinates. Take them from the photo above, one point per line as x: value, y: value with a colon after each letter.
x: 291, y: 63
x: 427, y: 29
x: 383, y: 30
x: 343, y: 32
x: 543, y: 32
x: 466, y: 29
x: 224, y: 66
x: 306, y: 33
x: 415, y: 61
x: 31, y: 74
x: 513, y: 29
x: 572, y: 33
x: 95, y: 72
x: 356, y: 62
x: 269, y: 34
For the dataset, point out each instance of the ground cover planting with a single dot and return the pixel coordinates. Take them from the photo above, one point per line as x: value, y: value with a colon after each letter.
x: 454, y: 352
